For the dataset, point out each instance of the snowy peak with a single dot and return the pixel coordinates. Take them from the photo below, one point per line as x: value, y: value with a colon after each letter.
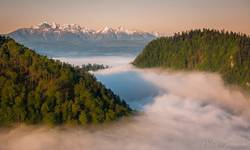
x: 45, y: 25
x: 46, y: 31
x: 56, y: 39
x: 74, y: 28
x: 70, y: 28
x: 105, y: 30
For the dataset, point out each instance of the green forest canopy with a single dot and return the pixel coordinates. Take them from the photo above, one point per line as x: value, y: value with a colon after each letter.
x: 227, y: 53
x: 35, y: 89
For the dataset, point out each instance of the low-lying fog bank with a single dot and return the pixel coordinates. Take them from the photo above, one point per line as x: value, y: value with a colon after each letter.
x: 105, y: 60
x: 191, y: 111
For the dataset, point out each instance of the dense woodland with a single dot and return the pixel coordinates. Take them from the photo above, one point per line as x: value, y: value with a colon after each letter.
x: 227, y: 53
x: 35, y: 89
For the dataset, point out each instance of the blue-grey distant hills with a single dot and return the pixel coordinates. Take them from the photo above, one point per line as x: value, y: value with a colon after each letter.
x: 73, y: 40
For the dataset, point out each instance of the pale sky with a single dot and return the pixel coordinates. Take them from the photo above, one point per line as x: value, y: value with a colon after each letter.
x: 166, y: 16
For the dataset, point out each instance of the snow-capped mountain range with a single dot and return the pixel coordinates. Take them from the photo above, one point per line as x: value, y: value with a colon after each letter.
x: 57, y: 32
x: 49, y: 38
x: 74, y: 28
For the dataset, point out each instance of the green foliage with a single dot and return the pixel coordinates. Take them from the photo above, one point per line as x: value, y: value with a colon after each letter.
x: 83, y: 118
x: 35, y: 89
x: 227, y: 53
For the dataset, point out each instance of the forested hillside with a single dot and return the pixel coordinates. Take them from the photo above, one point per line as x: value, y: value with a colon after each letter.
x: 35, y: 89
x: 227, y: 53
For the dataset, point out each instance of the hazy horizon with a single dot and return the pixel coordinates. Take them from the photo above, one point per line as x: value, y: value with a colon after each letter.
x: 142, y: 87
x: 164, y: 16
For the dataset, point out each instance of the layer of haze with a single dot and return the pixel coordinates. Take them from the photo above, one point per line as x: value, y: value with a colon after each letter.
x: 167, y: 16
x: 106, y: 60
x: 192, y: 111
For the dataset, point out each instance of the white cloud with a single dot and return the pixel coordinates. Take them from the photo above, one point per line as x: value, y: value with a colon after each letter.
x: 106, y: 60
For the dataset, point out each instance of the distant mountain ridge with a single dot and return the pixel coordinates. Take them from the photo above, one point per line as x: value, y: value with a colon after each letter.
x: 74, y: 28
x: 47, y: 37
x: 48, y: 31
